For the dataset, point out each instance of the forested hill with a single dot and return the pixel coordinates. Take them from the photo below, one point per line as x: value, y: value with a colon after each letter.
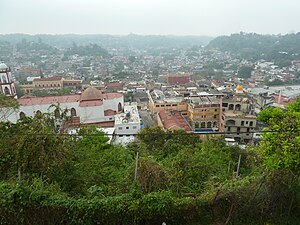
x: 114, y: 41
x: 256, y: 46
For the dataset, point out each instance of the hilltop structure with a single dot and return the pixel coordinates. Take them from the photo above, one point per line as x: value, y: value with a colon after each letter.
x: 7, y: 86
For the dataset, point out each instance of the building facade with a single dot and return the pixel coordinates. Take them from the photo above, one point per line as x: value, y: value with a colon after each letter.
x: 127, y: 124
x: 238, y: 119
x: 204, y: 111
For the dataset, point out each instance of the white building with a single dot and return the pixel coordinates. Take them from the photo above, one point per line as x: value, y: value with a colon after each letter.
x: 127, y: 124
x: 91, y: 107
x: 7, y: 86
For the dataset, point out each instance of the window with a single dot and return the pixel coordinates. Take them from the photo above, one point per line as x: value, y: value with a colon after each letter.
x: 127, y: 128
x: 242, y: 123
x: 6, y: 91
x: 38, y: 113
x: 156, y: 105
x: 73, y: 112
x: 228, y: 128
x: 247, y: 122
x: 238, y: 107
x: 22, y: 115
x: 4, y: 79
x: 216, y: 110
x: 251, y: 123
x: 56, y: 113
x: 134, y: 127
x: 119, y: 107
x: 215, y: 116
x: 120, y: 128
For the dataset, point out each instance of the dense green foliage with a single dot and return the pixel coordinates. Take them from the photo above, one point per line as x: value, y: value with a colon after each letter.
x: 7, y: 106
x: 245, y: 71
x: 181, y: 179
x: 87, y: 50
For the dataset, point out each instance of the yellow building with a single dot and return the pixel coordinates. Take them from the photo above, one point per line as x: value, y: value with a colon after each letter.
x: 49, y: 83
x: 158, y: 102
x: 204, y: 111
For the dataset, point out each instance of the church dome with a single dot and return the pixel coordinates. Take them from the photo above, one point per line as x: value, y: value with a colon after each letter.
x: 239, y: 88
x: 91, y: 93
x: 3, y: 66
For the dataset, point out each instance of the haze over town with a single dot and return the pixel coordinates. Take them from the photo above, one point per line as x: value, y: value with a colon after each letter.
x: 149, y: 112
x: 189, y: 17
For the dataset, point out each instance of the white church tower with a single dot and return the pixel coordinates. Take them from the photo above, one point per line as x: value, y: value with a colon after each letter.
x: 7, y: 86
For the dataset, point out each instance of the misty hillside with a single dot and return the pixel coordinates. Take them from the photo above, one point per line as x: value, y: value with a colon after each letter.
x: 131, y: 40
x: 256, y: 46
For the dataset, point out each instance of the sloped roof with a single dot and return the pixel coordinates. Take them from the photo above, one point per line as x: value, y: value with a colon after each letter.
x: 90, y: 94
x: 171, y: 119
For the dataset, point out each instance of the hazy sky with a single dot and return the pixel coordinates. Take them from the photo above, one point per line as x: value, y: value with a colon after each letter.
x: 180, y: 17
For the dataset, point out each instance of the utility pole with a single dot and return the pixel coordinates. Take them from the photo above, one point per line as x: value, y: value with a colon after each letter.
x: 238, y: 166
x: 136, y: 165
x: 19, y: 176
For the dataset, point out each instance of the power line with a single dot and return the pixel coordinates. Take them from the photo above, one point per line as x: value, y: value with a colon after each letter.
x: 156, y: 134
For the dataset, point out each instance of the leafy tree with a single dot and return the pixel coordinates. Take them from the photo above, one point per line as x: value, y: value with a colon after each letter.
x: 245, y: 71
x: 161, y: 143
x: 8, y: 105
x: 270, y: 115
x: 279, y: 149
x: 94, y: 164
x: 30, y: 152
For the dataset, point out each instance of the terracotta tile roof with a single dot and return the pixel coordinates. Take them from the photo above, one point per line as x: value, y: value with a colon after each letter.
x: 48, y: 100
x: 112, y: 95
x: 56, y: 78
x: 27, y: 101
x: 284, y: 99
x: 171, y: 119
x: 30, y: 70
x: 109, y: 112
x: 178, y: 79
x: 115, y: 84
